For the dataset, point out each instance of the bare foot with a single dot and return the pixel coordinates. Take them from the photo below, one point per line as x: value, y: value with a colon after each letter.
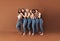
x: 32, y: 34
x: 29, y: 33
x: 41, y: 34
x: 23, y: 34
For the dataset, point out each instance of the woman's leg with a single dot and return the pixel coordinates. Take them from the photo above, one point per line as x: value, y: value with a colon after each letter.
x: 28, y: 25
x: 36, y: 24
x: 41, y: 26
x: 33, y: 26
x: 24, y: 25
x: 18, y: 25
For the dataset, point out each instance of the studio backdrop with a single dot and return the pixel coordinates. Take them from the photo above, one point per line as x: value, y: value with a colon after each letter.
x: 50, y: 10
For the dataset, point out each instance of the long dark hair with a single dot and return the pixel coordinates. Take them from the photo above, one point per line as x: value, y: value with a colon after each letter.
x: 41, y: 15
x: 33, y: 11
x: 19, y: 11
x: 24, y: 11
x: 37, y: 10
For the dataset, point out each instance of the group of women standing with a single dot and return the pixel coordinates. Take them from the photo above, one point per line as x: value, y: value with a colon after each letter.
x: 31, y: 20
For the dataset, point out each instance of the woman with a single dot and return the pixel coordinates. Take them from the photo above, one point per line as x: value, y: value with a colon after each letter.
x: 37, y: 20
x: 33, y: 21
x: 19, y: 21
x: 40, y: 23
x: 24, y: 21
x: 28, y: 20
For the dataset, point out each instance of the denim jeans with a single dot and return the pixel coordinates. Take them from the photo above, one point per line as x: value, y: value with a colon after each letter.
x: 41, y: 24
x: 24, y: 24
x: 33, y: 25
x: 37, y: 21
x: 29, y: 23
x: 18, y: 25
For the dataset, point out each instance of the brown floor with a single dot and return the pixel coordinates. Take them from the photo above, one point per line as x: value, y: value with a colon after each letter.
x: 14, y: 36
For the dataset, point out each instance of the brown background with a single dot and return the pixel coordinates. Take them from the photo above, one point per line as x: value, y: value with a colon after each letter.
x: 50, y: 10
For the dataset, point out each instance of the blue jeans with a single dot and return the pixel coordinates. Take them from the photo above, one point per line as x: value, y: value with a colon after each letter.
x: 29, y: 23
x: 19, y: 23
x: 33, y: 25
x: 37, y: 21
x: 24, y: 24
x: 41, y: 24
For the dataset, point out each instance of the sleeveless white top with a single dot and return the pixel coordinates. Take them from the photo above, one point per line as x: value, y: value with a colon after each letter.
x: 19, y: 16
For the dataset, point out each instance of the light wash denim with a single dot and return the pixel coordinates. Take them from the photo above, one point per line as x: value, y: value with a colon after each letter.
x: 41, y: 24
x: 28, y: 24
x: 18, y: 25
x: 24, y: 24
x: 37, y: 21
x: 33, y: 25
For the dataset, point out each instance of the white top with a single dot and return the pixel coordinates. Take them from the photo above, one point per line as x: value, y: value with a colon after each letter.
x: 19, y: 16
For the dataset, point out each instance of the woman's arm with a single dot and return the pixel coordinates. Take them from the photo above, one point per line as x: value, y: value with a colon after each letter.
x: 25, y: 15
x: 28, y: 15
x: 39, y: 15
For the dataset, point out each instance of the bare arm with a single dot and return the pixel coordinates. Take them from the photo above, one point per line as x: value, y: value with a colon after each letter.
x: 28, y: 15
x: 39, y: 15
x: 24, y: 15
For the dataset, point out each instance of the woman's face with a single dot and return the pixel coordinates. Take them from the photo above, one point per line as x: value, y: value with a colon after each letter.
x: 22, y: 10
x: 30, y: 11
x: 36, y: 11
x: 27, y: 10
x: 19, y: 10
